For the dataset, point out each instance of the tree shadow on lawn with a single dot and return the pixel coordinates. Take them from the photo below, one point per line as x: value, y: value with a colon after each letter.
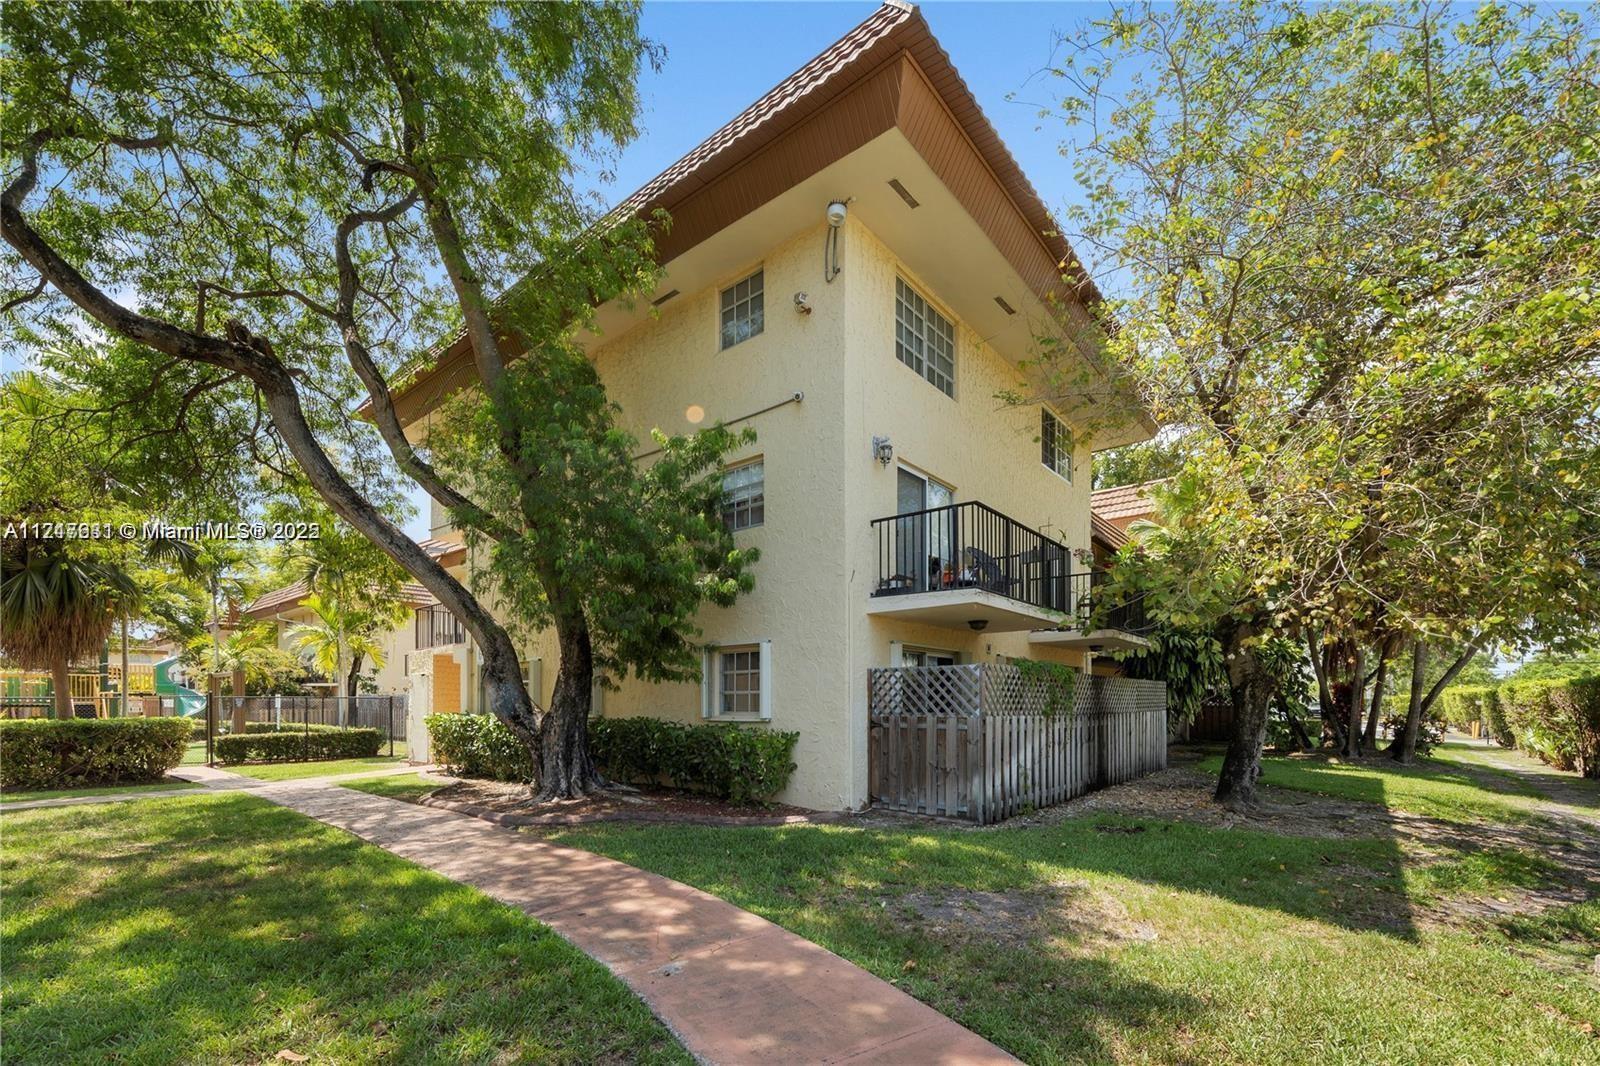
x: 227, y: 929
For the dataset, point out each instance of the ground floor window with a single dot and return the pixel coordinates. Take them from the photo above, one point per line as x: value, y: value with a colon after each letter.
x: 737, y: 681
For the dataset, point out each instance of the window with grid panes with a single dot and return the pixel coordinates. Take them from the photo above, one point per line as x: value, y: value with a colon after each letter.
x: 739, y: 684
x: 1055, y: 444
x: 744, y: 500
x: 924, y: 339
x: 743, y: 311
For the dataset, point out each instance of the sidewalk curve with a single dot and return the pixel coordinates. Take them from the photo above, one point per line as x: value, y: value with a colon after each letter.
x: 732, y: 986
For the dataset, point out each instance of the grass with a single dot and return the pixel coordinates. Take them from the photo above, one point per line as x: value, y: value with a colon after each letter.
x: 288, y: 771
x: 1429, y: 788
x: 408, y: 787
x: 225, y: 929
x: 102, y: 790
x: 1107, y: 938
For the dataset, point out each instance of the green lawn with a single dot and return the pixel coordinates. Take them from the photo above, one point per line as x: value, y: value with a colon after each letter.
x: 225, y: 929
x: 407, y: 787
x: 1431, y: 788
x: 288, y: 771
x: 1115, y: 939
x: 103, y: 790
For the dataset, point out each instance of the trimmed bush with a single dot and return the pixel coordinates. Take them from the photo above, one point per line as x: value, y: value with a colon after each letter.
x: 737, y: 764
x: 1558, y: 721
x: 478, y: 745
x: 733, y: 763
x: 1462, y: 705
x: 296, y: 744
x: 44, y: 753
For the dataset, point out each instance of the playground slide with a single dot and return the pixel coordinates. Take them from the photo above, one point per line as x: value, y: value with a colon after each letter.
x: 186, y: 701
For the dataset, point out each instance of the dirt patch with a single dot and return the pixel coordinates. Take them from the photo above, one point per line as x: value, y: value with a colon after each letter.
x: 1071, y: 914
x: 513, y: 804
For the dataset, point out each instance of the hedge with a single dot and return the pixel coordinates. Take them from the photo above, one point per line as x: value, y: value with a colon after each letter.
x: 1462, y: 705
x: 296, y: 744
x: 1558, y: 721
x: 45, y: 753
x: 478, y: 745
x: 732, y: 763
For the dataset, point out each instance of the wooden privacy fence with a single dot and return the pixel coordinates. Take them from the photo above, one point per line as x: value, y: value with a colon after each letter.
x: 975, y: 741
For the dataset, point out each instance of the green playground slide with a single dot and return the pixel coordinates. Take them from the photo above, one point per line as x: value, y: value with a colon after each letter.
x: 186, y: 701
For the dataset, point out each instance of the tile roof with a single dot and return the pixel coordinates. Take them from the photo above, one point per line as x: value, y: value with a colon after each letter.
x: 1124, y: 501
x: 447, y: 552
x: 1105, y: 532
x: 895, y: 26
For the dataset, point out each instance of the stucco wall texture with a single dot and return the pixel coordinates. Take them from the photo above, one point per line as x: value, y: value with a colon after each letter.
x: 823, y: 486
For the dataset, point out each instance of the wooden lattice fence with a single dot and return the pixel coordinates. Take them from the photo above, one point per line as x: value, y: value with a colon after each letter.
x: 975, y: 741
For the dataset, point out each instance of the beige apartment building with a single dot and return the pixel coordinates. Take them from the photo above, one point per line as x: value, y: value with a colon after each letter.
x: 858, y: 270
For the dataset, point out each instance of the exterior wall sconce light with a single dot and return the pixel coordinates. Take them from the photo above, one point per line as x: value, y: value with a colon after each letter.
x: 882, y: 450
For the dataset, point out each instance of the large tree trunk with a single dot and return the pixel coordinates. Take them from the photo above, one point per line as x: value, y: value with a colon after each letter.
x: 352, y: 681
x: 1251, y: 692
x: 1356, y: 702
x: 1404, y: 748
x: 1386, y: 651
x: 566, y: 767
x: 61, y: 682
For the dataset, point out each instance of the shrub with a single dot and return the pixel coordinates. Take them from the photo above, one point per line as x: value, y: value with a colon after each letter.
x: 479, y: 745
x: 44, y: 753
x: 733, y: 763
x: 741, y: 765
x: 1461, y: 705
x: 1558, y: 721
x: 297, y: 744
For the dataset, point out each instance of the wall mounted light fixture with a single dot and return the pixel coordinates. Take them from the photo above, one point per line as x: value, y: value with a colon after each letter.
x: 882, y: 450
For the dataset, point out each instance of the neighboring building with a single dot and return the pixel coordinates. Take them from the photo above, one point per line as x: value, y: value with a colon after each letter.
x: 1124, y: 505
x: 285, y: 608
x: 905, y: 516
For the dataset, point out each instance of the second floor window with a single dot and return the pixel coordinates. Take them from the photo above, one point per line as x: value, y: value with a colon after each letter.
x: 744, y: 500
x: 924, y: 339
x: 742, y: 311
x: 1055, y: 444
x: 437, y: 627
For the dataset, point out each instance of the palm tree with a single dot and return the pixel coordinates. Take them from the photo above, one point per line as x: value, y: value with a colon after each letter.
x: 338, y: 632
x: 55, y: 608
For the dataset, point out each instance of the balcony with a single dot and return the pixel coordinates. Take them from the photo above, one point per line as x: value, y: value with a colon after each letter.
x: 967, y: 564
x: 437, y: 628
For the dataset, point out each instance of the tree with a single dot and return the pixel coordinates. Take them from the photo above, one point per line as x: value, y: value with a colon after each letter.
x: 1354, y: 258
x: 342, y: 635
x: 296, y: 200
x: 615, y: 556
x: 1135, y: 464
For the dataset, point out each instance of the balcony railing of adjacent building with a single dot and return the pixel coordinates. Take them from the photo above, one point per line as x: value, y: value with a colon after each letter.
x: 972, y: 546
x: 437, y: 627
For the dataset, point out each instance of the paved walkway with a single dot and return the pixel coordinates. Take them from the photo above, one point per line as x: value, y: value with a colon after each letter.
x: 733, y: 987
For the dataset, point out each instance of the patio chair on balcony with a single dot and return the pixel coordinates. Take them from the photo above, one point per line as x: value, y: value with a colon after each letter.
x: 987, y: 573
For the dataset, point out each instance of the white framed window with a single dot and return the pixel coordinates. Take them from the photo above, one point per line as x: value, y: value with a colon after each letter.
x: 744, y: 499
x: 924, y: 339
x: 743, y: 310
x: 736, y: 682
x: 1055, y: 444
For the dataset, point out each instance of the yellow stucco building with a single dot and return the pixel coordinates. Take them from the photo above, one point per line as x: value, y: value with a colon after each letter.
x: 858, y: 270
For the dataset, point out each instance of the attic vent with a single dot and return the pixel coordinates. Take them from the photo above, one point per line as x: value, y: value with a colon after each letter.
x: 659, y: 300
x: 911, y: 201
x: 1007, y: 308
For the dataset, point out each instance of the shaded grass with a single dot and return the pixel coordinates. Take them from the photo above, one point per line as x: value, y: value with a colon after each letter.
x: 1177, y: 943
x: 289, y: 771
x: 102, y: 790
x: 225, y: 929
x: 1428, y: 788
x: 407, y: 787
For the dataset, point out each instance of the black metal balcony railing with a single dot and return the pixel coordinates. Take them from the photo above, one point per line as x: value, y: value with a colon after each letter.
x: 972, y: 546
x: 1091, y: 609
x: 437, y: 627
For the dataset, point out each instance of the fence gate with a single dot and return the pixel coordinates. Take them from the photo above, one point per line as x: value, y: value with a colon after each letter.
x: 975, y: 741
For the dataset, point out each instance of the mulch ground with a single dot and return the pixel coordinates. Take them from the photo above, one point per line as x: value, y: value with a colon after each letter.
x: 512, y: 804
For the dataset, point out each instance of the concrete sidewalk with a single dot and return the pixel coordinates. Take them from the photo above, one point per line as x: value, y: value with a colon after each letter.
x: 213, y: 780
x: 732, y: 986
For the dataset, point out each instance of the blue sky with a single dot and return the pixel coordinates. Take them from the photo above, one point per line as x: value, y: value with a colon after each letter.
x: 722, y: 56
